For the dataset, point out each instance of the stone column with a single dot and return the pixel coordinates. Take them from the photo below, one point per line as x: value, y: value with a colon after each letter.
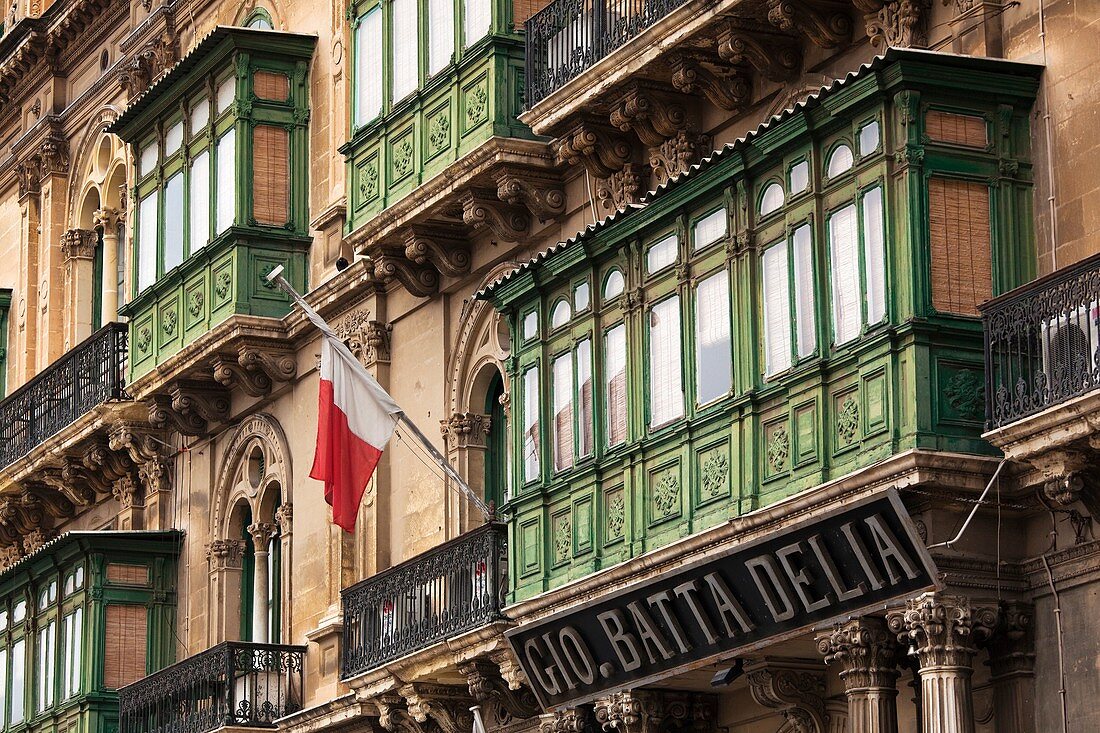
x: 78, y: 246
x: 467, y: 435
x: 225, y: 558
x: 867, y: 653
x: 1012, y: 664
x: 109, y: 219
x: 261, y: 532
x: 939, y: 629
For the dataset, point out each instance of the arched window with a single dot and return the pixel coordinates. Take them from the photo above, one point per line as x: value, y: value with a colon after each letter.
x: 840, y: 161
x: 261, y: 19
x: 497, y: 465
x: 561, y: 314
x: 614, y: 285
x: 772, y: 199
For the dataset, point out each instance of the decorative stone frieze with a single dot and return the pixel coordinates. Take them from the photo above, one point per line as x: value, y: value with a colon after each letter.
x: 825, y: 22
x: 541, y: 193
x: 867, y: 653
x: 483, y: 210
x: 442, y: 247
x: 79, y: 244
x: 796, y: 690
x: 465, y: 430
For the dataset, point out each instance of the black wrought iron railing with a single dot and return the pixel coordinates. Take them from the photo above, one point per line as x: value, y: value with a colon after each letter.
x: 88, y: 375
x: 456, y: 587
x: 568, y: 37
x: 1042, y: 343
x: 235, y: 683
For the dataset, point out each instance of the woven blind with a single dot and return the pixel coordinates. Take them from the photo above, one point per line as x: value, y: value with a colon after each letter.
x: 958, y: 222
x: 270, y: 175
x: 269, y: 85
x: 127, y: 574
x: 124, y: 656
x: 956, y: 129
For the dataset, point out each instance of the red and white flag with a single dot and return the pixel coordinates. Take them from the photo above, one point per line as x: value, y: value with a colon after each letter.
x: 355, y: 420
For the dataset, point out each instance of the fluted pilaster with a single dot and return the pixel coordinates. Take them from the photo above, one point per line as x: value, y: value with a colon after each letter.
x: 1012, y: 664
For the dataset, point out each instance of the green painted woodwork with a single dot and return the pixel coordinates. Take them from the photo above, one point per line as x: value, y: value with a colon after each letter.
x: 71, y: 573
x: 5, y: 309
x: 224, y: 276
x: 912, y: 380
x: 475, y: 97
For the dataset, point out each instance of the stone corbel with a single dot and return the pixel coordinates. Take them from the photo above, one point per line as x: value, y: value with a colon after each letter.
x: 390, y: 263
x: 1069, y: 476
x: 106, y: 462
x: 510, y: 670
x: 10, y: 553
x: 393, y: 715
x: 128, y: 493
x: 79, y: 244
x: 446, y: 705
x: 677, y: 154
x: 653, y: 117
x: 775, y: 56
x: 202, y: 400
x: 465, y: 430
x: 21, y: 515
x: 146, y: 451
x: 78, y: 493
x: 74, y: 472
x: 794, y: 689
x: 825, y: 22
x: 54, y: 503
x: 621, y: 188
x: 28, y: 173
x: 230, y: 374
x: 596, y: 146
x: 53, y: 153
x: 277, y: 363
x: 541, y: 194
x: 730, y: 90
x: 653, y: 711
x: 443, y: 247
x: 483, y: 210
x: 487, y: 686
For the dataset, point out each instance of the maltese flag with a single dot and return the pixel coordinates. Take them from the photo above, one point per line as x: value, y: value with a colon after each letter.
x: 355, y: 420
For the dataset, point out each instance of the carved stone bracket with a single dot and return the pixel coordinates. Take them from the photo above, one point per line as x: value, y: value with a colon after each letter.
x: 652, y: 116
x: 1011, y: 646
x: 79, y: 494
x: 1070, y: 477
x: 150, y: 62
x: 620, y: 189
x: 442, y: 247
x: 127, y: 492
x: 79, y: 244
x: 255, y: 367
x: 775, y: 56
x: 390, y: 263
x: 825, y: 22
x: 510, y: 669
x: 367, y: 339
x: 51, y: 157
x: 487, y: 687
x: 677, y: 154
x: 896, y: 22
x: 541, y: 194
x: 189, y: 407
x: 465, y: 430
x: 570, y: 720
x: 482, y: 209
x: 795, y: 690
x: 447, y: 706
x: 596, y: 146
x: 653, y: 711
x: 146, y: 451
x: 729, y: 88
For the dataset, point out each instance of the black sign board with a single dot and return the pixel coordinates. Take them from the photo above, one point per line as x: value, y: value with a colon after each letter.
x: 844, y: 562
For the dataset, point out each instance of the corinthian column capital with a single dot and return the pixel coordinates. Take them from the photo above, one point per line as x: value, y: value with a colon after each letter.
x: 939, y: 628
x: 865, y: 650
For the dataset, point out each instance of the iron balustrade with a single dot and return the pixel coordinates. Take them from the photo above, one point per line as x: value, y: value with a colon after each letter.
x: 88, y: 375
x: 235, y: 683
x: 1042, y: 343
x: 451, y: 589
x: 567, y: 37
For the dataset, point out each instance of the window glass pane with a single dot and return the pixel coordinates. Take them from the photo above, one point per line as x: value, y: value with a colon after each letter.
x: 147, y: 240
x: 713, y: 360
x: 478, y: 18
x: 840, y: 161
x: 149, y: 158
x: 441, y: 34
x: 19, y: 612
x: 844, y: 265
x: 580, y: 297
x: 4, y: 620
x: 47, y: 653
x: 227, y: 90
x: 173, y: 139
x: 79, y: 577
x: 18, y: 681
x: 710, y: 229
x: 800, y: 177
x: 805, y: 320
x: 173, y: 222
x: 72, y: 628
x: 666, y: 395
x: 614, y: 285
x: 560, y: 315
x: 584, y: 397
x: 530, y: 326
x: 200, y: 115
x: 874, y: 255
x: 226, y: 191
x: 531, y: 424
x: 200, y: 201
x: 563, y: 411
x: 615, y: 383
x: 406, y: 52
x: 368, y: 67
x: 772, y: 199
x: 662, y: 254
x: 868, y: 138
x: 777, y: 310
x: 3, y: 685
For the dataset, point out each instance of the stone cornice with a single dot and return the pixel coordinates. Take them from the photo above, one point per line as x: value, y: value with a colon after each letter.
x: 1061, y: 425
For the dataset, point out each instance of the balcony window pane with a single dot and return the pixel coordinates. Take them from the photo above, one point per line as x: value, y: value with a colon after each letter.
x: 147, y: 240
x: 47, y: 653
x: 560, y: 315
x: 614, y: 286
x: 713, y: 357
x: 173, y: 222
x: 531, y: 424
x: 772, y: 199
x: 868, y: 138
x: 777, y: 314
x: 368, y: 68
x: 805, y: 320
x: 662, y: 254
x: 173, y: 139
x: 72, y: 629
x: 18, y: 682
x: 478, y: 16
x: 406, y: 52
x: 585, y: 423
x: 441, y: 34
x: 226, y: 189
x: 200, y: 115
x: 840, y: 161
x: 3, y: 685
x: 563, y: 411
x: 844, y: 255
x: 874, y: 255
x: 580, y: 297
x: 530, y: 326
x: 615, y: 383
x: 799, y: 177
x: 710, y: 229
x: 149, y: 158
x: 200, y: 201
x: 666, y: 394
x: 227, y: 90
x: 122, y: 256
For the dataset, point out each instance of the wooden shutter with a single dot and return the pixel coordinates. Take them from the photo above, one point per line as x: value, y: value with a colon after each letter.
x: 124, y: 655
x: 270, y: 85
x: 956, y: 129
x: 270, y: 175
x: 958, y: 224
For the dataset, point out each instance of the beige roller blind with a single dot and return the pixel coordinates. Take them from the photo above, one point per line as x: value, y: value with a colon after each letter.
x: 271, y: 175
x: 958, y: 223
x: 124, y: 656
x: 956, y: 129
x: 270, y: 85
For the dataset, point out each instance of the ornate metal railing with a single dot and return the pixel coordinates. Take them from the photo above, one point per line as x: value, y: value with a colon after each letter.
x: 1042, y: 343
x: 569, y: 36
x: 88, y: 375
x: 235, y: 683
x: 446, y: 591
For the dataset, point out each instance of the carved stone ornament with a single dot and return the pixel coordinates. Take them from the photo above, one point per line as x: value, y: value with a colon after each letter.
x: 488, y: 688
x: 940, y: 628
x: 284, y: 517
x: 390, y: 263
x: 127, y: 492
x: 445, y: 705
x: 775, y: 56
x: 79, y: 244
x: 900, y: 23
x: 677, y: 154
x: 595, y: 145
x: 189, y: 407
x: 653, y: 117
x: 569, y: 720
x: 1069, y: 476
x: 729, y: 88
x: 146, y: 450
x: 149, y: 62
x: 465, y: 430
x: 865, y: 650
x: 441, y: 247
x: 621, y: 189
x: 510, y: 669
x: 826, y: 23
x: 224, y: 554
x: 542, y: 195
x: 107, y: 219
x: 261, y: 533
x: 483, y: 210
x: 654, y: 711
x: 368, y: 340
x: 9, y: 555
x: 1011, y: 646
x: 795, y: 692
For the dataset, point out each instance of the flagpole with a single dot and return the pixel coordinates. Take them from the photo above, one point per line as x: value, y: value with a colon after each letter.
x: 276, y: 277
